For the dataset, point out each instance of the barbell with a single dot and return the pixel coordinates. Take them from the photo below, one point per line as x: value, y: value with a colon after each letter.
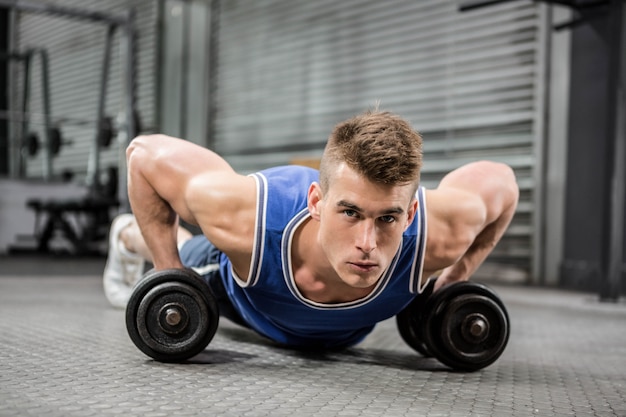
x: 32, y: 143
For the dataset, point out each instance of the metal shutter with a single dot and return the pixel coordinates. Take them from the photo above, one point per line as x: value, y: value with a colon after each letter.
x: 76, y: 50
x: 287, y: 71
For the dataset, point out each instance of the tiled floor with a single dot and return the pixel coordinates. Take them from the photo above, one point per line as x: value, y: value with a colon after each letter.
x: 65, y: 352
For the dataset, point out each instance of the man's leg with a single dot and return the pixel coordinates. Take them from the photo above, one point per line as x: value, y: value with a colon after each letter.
x: 126, y: 258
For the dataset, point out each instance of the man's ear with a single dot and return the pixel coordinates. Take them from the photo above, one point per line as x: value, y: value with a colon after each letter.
x: 413, y: 207
x: 314, y: 200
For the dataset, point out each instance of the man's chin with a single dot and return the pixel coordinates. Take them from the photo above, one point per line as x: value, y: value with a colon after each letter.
x: 360, y: 281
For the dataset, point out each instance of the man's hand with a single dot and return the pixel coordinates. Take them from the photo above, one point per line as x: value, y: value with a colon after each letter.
x: 444, y: 279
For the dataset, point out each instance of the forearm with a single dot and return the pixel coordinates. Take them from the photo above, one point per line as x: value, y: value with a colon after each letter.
x: 465, y: 266
x: 155, y: 216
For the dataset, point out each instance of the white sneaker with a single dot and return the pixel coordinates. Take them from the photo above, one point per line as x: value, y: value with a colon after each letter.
x: 123, y: 269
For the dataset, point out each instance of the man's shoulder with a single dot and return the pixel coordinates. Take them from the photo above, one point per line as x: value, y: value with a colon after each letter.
x: 295, y: 170
x: 292, y: 178
x: 452, y: 203
x: 283, y: 193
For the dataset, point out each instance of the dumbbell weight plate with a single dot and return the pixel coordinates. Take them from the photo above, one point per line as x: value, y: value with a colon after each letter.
x: 468, y: 326
x: 106, y: 132
x: 171, y: 315
x: 410, y: 322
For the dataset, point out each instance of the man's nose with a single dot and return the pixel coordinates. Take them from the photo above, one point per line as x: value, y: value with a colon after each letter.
x: 366, y: 240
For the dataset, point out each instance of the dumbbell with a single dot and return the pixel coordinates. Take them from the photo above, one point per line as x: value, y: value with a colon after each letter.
x: 464, y: 325
x: 171, y: 315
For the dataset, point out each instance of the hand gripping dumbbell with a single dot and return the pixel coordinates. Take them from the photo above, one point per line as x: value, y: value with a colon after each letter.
x: 171, y: 315
x: 464, y: 325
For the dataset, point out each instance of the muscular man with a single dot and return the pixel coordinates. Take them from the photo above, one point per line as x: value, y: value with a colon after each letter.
x: 310, y: 258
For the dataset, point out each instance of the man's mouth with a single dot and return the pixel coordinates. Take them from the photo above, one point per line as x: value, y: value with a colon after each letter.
x: 363, y: 266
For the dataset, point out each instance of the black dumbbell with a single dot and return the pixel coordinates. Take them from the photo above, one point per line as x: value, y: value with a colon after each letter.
x: 464, y: 325
x: 171, y: 315
x: 410, y: 321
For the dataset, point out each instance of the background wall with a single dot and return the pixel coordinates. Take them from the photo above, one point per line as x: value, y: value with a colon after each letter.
x: 4, y: 102
x: 264, y: 82
x: 472, y: 83
x: 184, y: 87
x: 596, y: 127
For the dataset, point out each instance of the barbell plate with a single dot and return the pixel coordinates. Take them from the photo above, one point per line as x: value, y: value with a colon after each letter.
x: 56, y: 140
x: 31, y: 143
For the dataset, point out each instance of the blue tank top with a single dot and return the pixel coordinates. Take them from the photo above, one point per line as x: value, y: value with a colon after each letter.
x: 271, y: 303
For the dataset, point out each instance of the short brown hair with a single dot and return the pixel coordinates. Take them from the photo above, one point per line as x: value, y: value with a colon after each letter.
x: 381, y: 146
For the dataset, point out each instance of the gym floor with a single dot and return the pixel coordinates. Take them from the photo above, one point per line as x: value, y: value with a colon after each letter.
x: 65, y: 352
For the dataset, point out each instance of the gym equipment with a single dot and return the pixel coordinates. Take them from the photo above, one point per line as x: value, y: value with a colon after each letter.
x: 464, y: 325
x: 124, y: 23
x: 171, y: 315
x: 32, y: 144
x: 106, y: 133
x: 409, y: 321
x: 83, y: 221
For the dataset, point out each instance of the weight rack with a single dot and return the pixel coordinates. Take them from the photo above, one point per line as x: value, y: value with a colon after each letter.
x: 124, y: 22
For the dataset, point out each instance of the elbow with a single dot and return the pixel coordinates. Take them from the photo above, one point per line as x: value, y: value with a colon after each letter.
x: 510, y: 186
x: 138, y: 155
x: 142, y: 150
x: 135, y: 146
x: 133, y: 152
x: 506, y: 181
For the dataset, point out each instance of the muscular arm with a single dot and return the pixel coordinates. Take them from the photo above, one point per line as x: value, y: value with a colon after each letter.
x: 468, y: 214
x: 170, y: 177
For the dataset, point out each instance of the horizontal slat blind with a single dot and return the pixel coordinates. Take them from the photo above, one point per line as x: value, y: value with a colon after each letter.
x: 76, y: 51
x: 288, y: 71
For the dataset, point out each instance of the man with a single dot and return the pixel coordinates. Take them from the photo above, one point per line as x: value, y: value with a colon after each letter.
x: 306, y: 259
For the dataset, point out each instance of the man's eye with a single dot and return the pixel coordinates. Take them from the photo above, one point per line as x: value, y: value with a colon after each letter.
x: 388, y: 219
x: 350, y: 213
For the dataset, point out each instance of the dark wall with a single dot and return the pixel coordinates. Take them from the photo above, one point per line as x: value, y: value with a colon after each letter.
x: 591, y: 136
x: 4, y: 127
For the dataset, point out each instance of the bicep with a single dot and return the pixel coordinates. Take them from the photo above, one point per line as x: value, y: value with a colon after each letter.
x: 196, y: 183
x: 223, y: 205
x: 492, y: 187
x: 166, y: 166
x: 465, y: 203
x: 455, y: 217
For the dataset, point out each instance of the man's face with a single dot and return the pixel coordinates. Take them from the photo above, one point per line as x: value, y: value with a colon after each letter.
x: 361, y: 224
